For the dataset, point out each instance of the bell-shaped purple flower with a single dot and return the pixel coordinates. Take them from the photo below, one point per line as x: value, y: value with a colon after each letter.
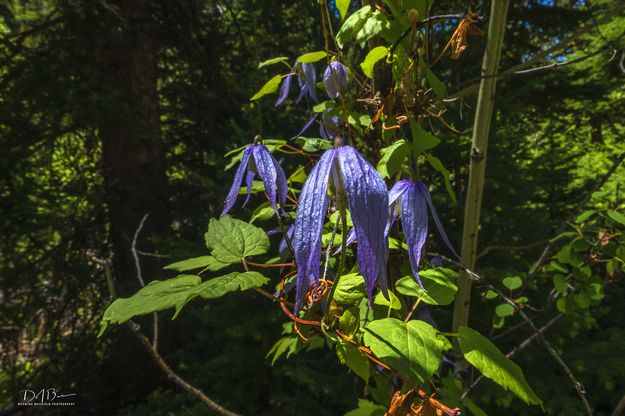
x: 335, y: 79
x: 307, y: 79
x: 412, y: 200
x: 351, y: 178
x: 257, y: 160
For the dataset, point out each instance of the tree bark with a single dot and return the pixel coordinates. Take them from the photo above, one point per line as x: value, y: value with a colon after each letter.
x: 133, y: 161
x: 477, y: 166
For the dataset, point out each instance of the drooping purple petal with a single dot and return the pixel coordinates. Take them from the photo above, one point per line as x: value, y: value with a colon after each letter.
x: 281, y: 183
x: 249, y: 180
x: 329, y: 126
x: 397, y: 190
x: 423, y: 189
x: 414, y: 221
x: 309, y: 219
x: 335, y: 79
x: 306, y: 127
x: 307, y: 80
x: 238, y: 177
x: 267, y: 171
x: 285, y: 87
x: 367, y: 196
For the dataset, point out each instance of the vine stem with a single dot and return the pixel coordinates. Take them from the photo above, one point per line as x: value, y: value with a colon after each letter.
x: 477, y: 165
x: 339, y: 270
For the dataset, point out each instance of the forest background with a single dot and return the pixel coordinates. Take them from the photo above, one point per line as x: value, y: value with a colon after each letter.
x: 110, y: 110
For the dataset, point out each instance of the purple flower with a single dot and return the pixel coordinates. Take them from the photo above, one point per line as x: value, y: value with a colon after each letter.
x: 412, y: 199
x: 335, y: 79
x: 307, y: 79
x: 351, y: 178
x: 258, y: 160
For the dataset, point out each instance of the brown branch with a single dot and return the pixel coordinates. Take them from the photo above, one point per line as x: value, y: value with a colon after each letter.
x: 179, y: 381
x: 510, y: 248
x: 620, y: 407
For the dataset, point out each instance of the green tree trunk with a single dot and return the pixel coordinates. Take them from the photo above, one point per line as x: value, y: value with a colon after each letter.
x: 477, y: 167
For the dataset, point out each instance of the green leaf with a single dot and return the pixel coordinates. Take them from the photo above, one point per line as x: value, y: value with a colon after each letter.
x: 269, y: 87
x: 343, y: 7
x: 560, y: 283
x: 284, y: 345
x: 263, y: 212
x: 373, y: 26
x: 273, y: 61
x: 439, y: 283
x: 372, y: 58
x: 367, y: 408
x: 164, y: 294
x: 352, y: 25
x: 393, y: 303
x: 311, y: 57
x: 435, y: 84
x: 504, y: 310
x: 484, y: 355
x: 350, y: 289
x: 313, y: 145
x: 616, y: 216
x: 232, y: 240
x: 412, y: 348
x: 438, y: 165
x: 323, y: 106
x: 352, y: 357
x: 190, y: 264
x: 349, y: 322
x: 393, y: 158
x: 421, y: 139
x: 512, y: 282
x: 584, y: 216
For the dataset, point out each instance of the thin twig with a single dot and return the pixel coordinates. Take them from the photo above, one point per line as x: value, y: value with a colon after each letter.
x: 133, y: 248
x: 510, y: 248
x: 576, y: 384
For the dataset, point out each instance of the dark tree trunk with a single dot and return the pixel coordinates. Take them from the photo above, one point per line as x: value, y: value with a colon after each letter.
x: 133, y: 160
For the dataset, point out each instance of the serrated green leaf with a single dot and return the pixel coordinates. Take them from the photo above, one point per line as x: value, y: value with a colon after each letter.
x: 486, y: 357
x: 164, y: 294
x: 616, y: 216
x: 412, y: 348
x: 353, y: 358
x: 372, y: 58
x: 273, y: 61
x: 190, y: 264
x: 269, y: 87
x: 350, y: 289
x: 311, y: 57
x: 439, y: 283
x: 343, y: 7
x: 286, y: 345
x: 352, y: 25
x: 512, y: 282
x: 393, y: 158
x: 232, y: 240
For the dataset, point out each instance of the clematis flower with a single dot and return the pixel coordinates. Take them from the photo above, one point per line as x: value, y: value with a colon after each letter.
x: 335, y: 79
x: 352, y: 180
x: 307, y: 79
x: 257, y: 160
x: 412, y: 200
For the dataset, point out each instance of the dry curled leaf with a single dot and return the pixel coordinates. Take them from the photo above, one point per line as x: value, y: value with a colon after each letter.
x: 466, y: 27
x: 425, y: 408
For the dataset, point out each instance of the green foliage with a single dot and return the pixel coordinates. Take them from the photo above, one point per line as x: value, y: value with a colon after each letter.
x: 177, y: 292
x: 270, y: 86
x: 311, y: 57
x: 412, y: 348
x: 393, y: 158
x: 439, y: 283
x: 231, y: 240
x: 484, y: 355
x: 372, y: 58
